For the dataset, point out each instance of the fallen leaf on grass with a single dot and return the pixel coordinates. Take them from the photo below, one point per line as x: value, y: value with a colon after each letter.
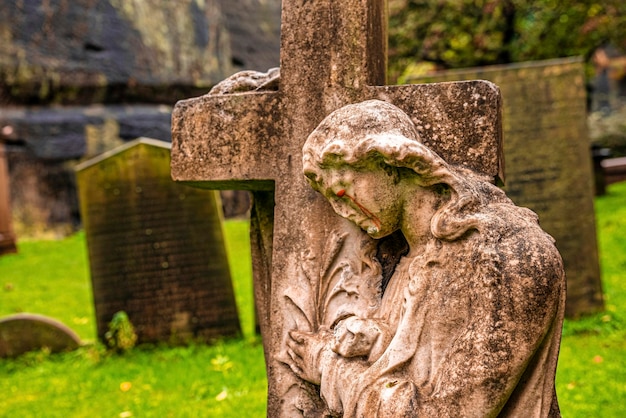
x: 222, y: 395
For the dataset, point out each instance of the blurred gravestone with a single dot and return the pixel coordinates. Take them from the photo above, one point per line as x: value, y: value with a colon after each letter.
x: 614, y: 170
x: 21, y: 333
x: 156, y: 248
x: 548, y: 161
x: 7, y: 237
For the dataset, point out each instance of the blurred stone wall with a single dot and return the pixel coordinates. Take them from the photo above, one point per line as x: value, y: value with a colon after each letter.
x: 80, y: 77
x: 111, y: 51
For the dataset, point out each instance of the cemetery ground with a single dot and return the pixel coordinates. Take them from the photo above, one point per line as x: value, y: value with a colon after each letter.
x: 227, y: 379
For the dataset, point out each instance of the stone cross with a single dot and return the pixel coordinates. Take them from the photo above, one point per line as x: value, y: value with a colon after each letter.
x: 333, y: 53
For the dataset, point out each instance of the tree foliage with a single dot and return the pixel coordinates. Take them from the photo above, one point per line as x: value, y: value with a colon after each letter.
x: 467, y: 33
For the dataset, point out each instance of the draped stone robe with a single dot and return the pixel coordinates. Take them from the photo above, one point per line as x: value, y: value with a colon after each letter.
x: 472, y: 327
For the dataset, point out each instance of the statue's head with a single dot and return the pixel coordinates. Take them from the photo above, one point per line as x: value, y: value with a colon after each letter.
x: 370, y: 135
x: 375, y: 137
x: 355, y: 133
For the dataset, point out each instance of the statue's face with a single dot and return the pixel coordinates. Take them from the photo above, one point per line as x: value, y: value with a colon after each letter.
x: 369, y: 199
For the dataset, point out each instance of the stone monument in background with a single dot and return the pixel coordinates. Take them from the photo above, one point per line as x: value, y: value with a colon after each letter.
x: 548, y: 161
x: 156, y: 248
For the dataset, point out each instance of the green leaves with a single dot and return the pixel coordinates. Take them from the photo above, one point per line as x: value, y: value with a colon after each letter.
x: 468, y: 33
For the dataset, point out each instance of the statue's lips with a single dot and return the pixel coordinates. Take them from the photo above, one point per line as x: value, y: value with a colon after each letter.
x: 369, y: 215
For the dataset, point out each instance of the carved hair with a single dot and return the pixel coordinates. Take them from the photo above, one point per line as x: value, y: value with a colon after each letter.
x: 375, y: 133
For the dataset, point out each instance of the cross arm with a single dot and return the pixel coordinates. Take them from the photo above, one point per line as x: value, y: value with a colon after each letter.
x: 227, y: 141
x: 460, y: 121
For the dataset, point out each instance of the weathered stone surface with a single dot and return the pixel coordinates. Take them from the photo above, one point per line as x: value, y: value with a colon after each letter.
x: 467, y: 131
x: 153, y: 51
x: 548, y: 162
x: 469, y: 324
x: 332, y: 54
x: 7, y: 236
x: 254, y: 32
x: 72, y: 132
x: 156, y: 248
x: 21, y: 333
x: 44, y: 144
x: 111, y: 51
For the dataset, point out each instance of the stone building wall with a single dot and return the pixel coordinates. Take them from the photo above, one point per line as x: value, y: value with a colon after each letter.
x: 81, y: 77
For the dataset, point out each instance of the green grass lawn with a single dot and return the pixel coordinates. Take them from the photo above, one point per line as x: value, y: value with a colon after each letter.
x: 591, y: 378
x: 228, y: 378
x: 52, y: 278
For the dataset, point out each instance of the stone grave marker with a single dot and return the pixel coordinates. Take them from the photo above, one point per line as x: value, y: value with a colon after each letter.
x: 548, y: 161
x: 7, y: 237
x: 333, y: 53
x: 25, y: 332
x: 614, y: 169
x: 156, y: 248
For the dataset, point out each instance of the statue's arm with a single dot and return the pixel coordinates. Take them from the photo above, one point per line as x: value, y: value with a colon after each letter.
x: 507, y: 341
x: 502, y: 348
x: 312, y: 352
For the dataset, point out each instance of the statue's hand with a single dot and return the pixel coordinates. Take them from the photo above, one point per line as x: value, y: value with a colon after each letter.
x: 356, y: 337
x: 307, y: 351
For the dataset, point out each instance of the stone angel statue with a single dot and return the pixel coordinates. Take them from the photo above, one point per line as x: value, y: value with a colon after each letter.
x: 469, y: 323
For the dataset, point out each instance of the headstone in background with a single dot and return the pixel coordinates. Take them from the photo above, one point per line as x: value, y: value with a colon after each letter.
x: 156, y: 248
x: 7, y: 236
x: 25, y: 332
x: 64, y: 65
x: 614, y: 170
x: 548, y: 161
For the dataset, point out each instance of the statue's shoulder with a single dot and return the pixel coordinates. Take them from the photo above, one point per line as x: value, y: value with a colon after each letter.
x: 528, y: 254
